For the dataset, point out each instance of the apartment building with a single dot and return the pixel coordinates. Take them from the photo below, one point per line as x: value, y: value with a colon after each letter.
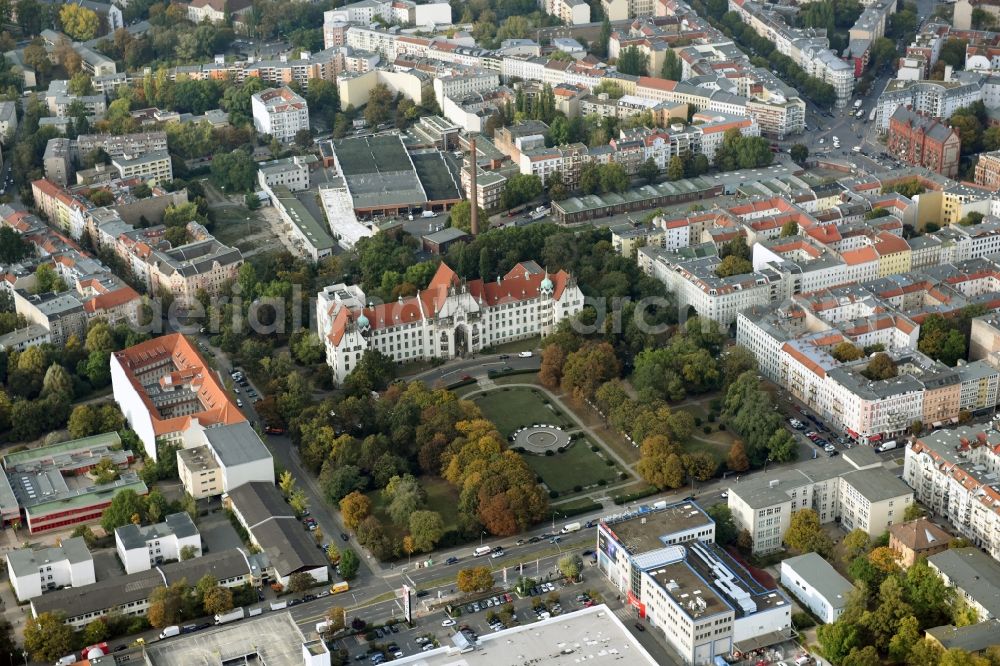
x: 809, y: 49
x: 974, y: 577
x: 664, y: 561
x: 202, y: 265
x: 619, y: 10
x: 952, y: 473
x: 154, y: 166
x: 63, y: 210
x: 570, y: 12
x: 447, y: 319
x: 937, y: 99
x: 402, y: 12
x: 988, y: 170
x: 58, y: 100
x: 853, y: 488
x: 280, y: 113
x: 920, y: 140
x: 142, y: 547
x: 164, y: 388
x: 33, y: 572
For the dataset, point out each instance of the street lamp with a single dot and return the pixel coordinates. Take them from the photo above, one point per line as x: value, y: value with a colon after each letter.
x: 481, y: 536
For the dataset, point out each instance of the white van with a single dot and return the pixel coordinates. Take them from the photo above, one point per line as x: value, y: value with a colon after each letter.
x: 278, y: 605
x: 482, y: 550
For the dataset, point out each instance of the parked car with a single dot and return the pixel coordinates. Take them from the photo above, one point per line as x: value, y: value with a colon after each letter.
x: 451, y: 560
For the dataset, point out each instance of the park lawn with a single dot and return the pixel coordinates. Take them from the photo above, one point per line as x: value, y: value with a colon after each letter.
x: 526, y: 344
x: 576, y: 466
x: 515, y: 408
x: 441, y: 497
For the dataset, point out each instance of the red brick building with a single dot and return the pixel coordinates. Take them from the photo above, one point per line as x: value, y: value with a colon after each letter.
x: 921, y: 140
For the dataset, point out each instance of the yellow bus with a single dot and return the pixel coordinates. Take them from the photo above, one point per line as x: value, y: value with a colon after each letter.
x: 337, y: 588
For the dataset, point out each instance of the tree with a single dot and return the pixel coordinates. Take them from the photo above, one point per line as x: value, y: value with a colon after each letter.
x: 47, y: 637
x: 907, y: 636
x: 80, y: 84
x: 188, y: 552
x: 913, y: 512
x: 167, y: 604
x: 286, y: 482
x: 855, y: 544
x: 234, y: 171
x: 13, y: 248
x: 838, y: 639
x: 349, y: 564
x: 47, y: 280
x: 460, y: 216
x: 733, y: 265
x: 217, y: 600
x: 124, y: 506
x: 79, y: 22
x: 675, y: 169
x: 880, y: 367
x: 806, y: 535
x: 57, y: 383
x: 426, y: 528
x: 300, y: 582
x: 569, y: 566
x: 737, y: 460
x: 866, y: 656
x: 799, y: 153
x: 354, y: 508
x: 519, y: 189
x: 648, y: 170
x: 336, y: 620
x: 725, y: 526
x: 475, y: 579
x: 105, y: 471
x: 633, y: 61
x: 96, y: 631
x: 846, y: 352
x: 672, y: 68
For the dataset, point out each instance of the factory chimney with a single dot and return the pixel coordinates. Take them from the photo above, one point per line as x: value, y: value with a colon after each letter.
x: 473, y: 192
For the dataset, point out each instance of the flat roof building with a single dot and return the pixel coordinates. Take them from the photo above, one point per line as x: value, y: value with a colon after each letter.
x: 592, y: 635
x: 663, y: 558
x: 815, y: 583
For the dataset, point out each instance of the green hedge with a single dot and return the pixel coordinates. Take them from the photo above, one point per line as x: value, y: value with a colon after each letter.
x: 639, y: 494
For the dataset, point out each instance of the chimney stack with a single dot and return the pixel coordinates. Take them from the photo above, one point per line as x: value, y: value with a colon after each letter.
x: 473, y: 193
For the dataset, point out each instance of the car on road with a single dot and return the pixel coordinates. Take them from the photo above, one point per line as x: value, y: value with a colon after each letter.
x: 448, y: 623
x: 239, y: 403
x: 451, y: 560
x: 421, y: 593
x: 534, y: 539
x: 724, y: 494
x: 525, y: 354
x: 344, y: 536
x: 504, y: 357
x: 640, y: 627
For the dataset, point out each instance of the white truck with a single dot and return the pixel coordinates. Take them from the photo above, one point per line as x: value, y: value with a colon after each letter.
x: 231, y: 616
x: 886, y: 446
x: 858, y: 103
x: 570, y: 527
x: 170, y: 631
x: 482, y: 550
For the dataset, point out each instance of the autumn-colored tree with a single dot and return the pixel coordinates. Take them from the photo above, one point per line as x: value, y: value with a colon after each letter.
x: 737, y: 460
x: 805, y: 534
x: 845, y: 352
x: 588, y: 368
x: 662, y: 471
x: 166, y: 604
x: 744, y: 541
x: 218, y: 600
x: 881, y: 366
x: 79, y: 22
x: 856, y: 543
x: 699, y: 465
x: 47, y: 637
x: 336, y: 620
x: 551, y: 371
x: 475, y: 579
x: 354, y: 508
x: 884, y: 559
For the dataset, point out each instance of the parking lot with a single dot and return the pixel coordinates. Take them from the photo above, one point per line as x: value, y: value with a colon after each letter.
x: 474, y: 619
